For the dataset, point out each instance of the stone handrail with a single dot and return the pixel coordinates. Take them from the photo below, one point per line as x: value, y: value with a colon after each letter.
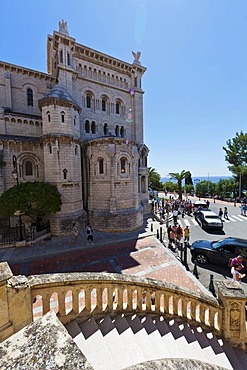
x: 114, y: 293
x: 82, y: 295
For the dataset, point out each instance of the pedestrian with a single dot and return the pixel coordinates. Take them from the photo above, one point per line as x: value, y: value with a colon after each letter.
x: 75, y: 233
x: 236, y: 274
x: 220, y: 214
x: 175, y: 215
x: 236, y: 261
x: 226, y: 213
x: 186, y: 234
x: 89, y: 232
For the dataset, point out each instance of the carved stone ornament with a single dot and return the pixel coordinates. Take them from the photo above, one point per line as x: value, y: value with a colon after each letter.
x: 234, y: 316
x: 136, y: 57
x: 63, y: 27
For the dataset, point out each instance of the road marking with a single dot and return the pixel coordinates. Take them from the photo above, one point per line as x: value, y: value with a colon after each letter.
x: 244, y: 217
x: 237, y: 218
x: 232, y: 219
x: 187, y: 223
x: 194, y: 221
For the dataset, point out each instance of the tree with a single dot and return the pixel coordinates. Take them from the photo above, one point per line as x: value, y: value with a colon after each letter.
x: 206, y: 186
x: 36, y: 199
x: 154, y: 179
x: 236, y: 156
x: 188, y: 179
x: 227, y: 188
x: 179, y: 177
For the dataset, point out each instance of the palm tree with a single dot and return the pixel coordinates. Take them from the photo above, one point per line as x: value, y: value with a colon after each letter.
x: 179, y: 177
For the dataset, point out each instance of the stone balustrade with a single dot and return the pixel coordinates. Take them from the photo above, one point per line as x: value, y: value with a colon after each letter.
x: 82, y: 295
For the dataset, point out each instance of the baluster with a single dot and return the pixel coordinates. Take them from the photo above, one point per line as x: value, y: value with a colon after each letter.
x: 184, y: 307
x: 46, y: 303
x: 120, y: 298
x: 129, y: 298
x: 166, y: 302
x: 99, y: 299
x: 139, y: 292
x: 175, y: 304
x: 148, y: 300
x: 109, y: 305
x: 219, y: 320
x: 156, y: 297
x: 211, y: 317
x: 61, y: 303
x: 75, y: 301
x: 87, y: 299
x: 193, y: 310
x: 202, y: 313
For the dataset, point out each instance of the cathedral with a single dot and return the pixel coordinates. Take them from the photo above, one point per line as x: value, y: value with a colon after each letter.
x: 80, y: 127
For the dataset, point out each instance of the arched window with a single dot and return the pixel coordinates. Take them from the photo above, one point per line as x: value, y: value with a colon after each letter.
x: 103, y: 105
x: 50, y: 148
x: 74, y: 120
x: 93, y: 127
x: 30, y: 97
x: 88, y: 101
x: 65, y: 172
x: 76, y: 150
x: 48, y: 116
x: 101, y: 166
x: 105, y: 129
x: 87, y: 127
x: 117, y: 130
x: 123, y: 165
x: 62, y: 117
x: 122, y: 131
x: 117, y: 108
x: 29, y: 168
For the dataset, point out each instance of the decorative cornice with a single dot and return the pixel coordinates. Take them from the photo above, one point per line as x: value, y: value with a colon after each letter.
x: 26, y: 71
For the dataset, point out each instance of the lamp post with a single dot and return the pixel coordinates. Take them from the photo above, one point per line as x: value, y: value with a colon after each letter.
x: 18, y: 212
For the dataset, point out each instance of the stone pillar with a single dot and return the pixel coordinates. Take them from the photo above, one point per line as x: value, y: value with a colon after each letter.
x: 6, y: 328
x: 15, y: 302
x: 233, y: 299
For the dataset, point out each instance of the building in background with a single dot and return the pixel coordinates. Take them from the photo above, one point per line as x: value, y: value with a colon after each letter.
x: 80, y: 127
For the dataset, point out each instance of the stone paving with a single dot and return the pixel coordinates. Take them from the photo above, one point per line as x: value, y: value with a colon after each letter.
x: 137, y: 253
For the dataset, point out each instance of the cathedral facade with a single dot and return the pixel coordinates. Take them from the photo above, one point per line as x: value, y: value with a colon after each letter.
x: 78, y: 126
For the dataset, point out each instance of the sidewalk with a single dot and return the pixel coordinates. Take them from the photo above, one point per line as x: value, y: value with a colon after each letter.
x: 137, y: 253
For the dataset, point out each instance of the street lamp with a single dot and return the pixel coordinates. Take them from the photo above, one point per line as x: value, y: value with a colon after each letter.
x: 16, y: 178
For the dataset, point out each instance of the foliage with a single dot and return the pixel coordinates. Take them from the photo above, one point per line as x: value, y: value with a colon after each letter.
x: 180, y: 177
x: 236, y: 156
x: 206, y: 186
x: 227, y: 188
x: 188, y: 179
x: 154, y: 179
x: 170, y: 186
x: 188, y: 188
x: 36, y: 199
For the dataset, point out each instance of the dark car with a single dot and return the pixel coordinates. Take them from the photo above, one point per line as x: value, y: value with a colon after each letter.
x: 208, y: 219
x: 218, y: 252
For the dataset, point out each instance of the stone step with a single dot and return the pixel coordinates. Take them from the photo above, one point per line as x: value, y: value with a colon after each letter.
x: 124, y: 340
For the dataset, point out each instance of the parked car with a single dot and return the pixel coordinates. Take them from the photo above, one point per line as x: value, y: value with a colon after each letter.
x: 199, y: 204
x: 218, y: 252
x: 208, y: 219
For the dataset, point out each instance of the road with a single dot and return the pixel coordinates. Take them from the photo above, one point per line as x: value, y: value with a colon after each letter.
x: 236, y: 227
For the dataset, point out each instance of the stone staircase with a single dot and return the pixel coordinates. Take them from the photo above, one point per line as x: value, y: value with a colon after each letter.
x: 118, y: 342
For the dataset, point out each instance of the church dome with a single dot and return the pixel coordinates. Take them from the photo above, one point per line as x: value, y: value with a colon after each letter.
x: 58, y: 95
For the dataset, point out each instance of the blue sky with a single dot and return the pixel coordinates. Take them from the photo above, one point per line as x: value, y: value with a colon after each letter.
x: 195, y: 52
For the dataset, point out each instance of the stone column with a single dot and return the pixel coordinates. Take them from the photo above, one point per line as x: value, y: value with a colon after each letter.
x: 6, y: 328
x: 233, y: 299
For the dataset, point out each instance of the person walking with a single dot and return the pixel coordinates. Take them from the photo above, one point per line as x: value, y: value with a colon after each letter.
x: 236, y: 274
x: 226, y: 213
x: 220, y: 214
x: 89, y: 232
x: 75, y: 233
x: 186, y: 234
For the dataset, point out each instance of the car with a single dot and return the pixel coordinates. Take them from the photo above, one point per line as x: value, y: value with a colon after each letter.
x: 208, y: 219
x: 218, y: 252
x: 199, y: 204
